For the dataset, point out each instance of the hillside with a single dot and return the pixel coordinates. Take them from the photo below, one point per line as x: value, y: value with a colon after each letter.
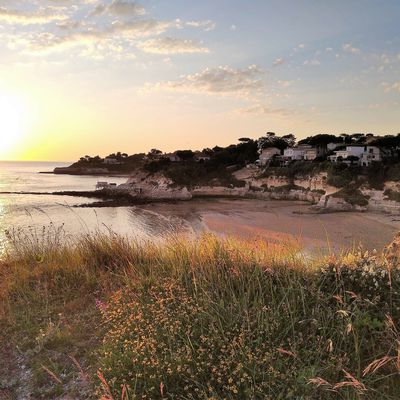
x: 322, y: 169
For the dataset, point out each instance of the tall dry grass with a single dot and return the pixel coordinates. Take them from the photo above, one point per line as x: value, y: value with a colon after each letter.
x: 209, y: 318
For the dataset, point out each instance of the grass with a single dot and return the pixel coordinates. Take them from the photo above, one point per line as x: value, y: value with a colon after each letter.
x: 107, y: 317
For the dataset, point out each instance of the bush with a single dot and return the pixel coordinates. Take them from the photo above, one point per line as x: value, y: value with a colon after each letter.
x: 353, y: 196
x: 392, y: 195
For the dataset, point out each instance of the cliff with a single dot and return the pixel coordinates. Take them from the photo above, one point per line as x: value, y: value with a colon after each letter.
x: 314, y: 189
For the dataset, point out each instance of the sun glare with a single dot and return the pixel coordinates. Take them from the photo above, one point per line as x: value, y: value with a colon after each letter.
x: 12, y: 122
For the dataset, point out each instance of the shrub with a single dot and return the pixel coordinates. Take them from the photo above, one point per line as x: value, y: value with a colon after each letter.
x: 353, y: 196
x: 392, y: 195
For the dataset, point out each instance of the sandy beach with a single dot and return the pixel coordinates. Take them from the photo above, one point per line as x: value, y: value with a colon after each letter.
x: 284, y: 221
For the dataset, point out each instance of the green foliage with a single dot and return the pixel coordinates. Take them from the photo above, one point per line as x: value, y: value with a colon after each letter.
x: 185, y: 154
x: 321, y: 140
x: 341, y: 175
x: 376, y: 176
x: 392, y: 195
x: 193, y: 174
x: 353, y: 195
x: 157, y: 165
x: 296, y: 169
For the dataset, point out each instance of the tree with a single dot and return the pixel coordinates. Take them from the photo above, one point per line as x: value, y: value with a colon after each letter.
x: 321, y: 140
x: 271, y: 140
x: 207, y: 151
x: 185, y: 154
x: 155, y: 152
x: 290, y: 139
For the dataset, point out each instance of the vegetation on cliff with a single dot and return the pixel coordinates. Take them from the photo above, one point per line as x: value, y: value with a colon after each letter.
x: 107, y: 317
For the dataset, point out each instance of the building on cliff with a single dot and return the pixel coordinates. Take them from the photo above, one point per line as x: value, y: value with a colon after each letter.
x: 303, y: 152
x: 267, y: 154
x: 361, y: 154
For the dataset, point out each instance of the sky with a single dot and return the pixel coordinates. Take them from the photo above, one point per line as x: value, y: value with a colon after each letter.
x: 100, y: 76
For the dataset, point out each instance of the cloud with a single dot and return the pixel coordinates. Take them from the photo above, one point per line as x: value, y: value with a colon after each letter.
x: 40, y: 16
x: 285, y: 84
x: 221, y: 80
x: 115, y: 26
x: 207, y: 25
x: 348, y: 48
x: 278, y: 61
x: 119, y: 30
x: 121, y: 8
x: 170, y: 45
x: 262, y: 109
x: 393, y: 87
x: 313, y: 61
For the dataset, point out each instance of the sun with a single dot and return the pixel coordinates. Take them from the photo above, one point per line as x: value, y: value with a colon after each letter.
x: 12, y: 122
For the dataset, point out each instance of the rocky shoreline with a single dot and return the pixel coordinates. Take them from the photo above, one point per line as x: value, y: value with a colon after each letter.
x: 144, y: 187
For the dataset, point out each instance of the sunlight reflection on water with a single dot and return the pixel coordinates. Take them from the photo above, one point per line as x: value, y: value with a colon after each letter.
x: 38, y: 211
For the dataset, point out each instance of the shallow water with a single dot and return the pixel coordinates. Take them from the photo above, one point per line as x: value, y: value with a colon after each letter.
x: 34, y: 212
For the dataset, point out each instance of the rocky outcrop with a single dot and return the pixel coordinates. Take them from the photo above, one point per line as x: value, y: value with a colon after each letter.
x: 220, y: 191
x: 294, y: 194
x: 331, y: 203
x: 144, y: 186
x: 378, y: 201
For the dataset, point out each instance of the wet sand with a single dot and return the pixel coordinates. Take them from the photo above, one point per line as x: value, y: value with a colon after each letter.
x: 284, y: 221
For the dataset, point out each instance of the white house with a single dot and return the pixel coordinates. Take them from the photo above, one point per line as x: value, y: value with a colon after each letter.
x: 311, y: 153
x: 294, y: 153
x: 267, y: 154
x: 365, y: 154
x: 371, y: 154
x: 303, y: 152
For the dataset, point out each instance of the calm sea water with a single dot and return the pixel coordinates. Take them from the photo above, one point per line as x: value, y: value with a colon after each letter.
x: 33, y: 212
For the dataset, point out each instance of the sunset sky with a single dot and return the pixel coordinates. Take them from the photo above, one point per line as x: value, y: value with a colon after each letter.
x: 98, y: 76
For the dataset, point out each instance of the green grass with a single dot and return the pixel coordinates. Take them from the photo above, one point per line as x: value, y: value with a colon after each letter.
x: 104, y: 316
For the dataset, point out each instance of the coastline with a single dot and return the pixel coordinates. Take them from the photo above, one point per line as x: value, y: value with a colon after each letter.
x: 275, y: 220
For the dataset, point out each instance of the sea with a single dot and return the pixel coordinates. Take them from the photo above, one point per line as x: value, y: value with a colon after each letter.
x: 40, y: 215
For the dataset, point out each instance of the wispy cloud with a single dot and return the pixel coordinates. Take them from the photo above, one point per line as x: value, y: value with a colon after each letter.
x: 170, y: 45
x: 262, y: 109
x: 115, y: 26
x: 285, y: 83
x: 278, y: 61
x: 391, y: 87
x: 207, y: 25
x: 349, y: 48
x: 313, y: 61
x: 40, y: 16
x: 121, y: 8
x: 223, y: 80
